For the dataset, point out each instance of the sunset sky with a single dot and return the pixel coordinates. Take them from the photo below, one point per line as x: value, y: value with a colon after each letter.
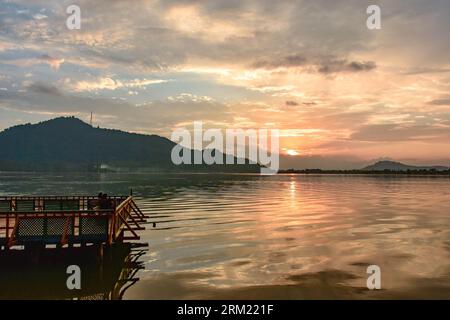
x: 341, y: 94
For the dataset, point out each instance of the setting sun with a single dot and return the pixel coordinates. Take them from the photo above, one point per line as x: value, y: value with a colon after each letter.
x: 292, y: 152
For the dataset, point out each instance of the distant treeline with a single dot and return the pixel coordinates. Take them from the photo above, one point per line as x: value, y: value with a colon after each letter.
x: 355, y: 171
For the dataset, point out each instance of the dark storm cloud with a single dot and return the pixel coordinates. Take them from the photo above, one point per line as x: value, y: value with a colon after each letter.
x: 345, y: 66
x: 326, y: 65
x: 44, y: 88
x: 291, y: 103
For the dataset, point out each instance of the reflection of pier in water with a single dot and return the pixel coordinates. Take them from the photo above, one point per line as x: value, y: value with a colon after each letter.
x: 102, y: 278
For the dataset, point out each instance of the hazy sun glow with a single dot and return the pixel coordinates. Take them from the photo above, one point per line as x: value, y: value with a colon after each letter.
x: 292, y: 152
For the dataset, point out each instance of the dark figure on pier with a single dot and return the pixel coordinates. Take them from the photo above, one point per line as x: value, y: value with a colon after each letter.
x: 97, y: 203
x: 105, y: 203
x: 99, y: 199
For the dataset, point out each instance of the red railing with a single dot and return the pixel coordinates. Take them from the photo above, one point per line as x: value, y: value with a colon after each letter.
x: 123, y: 217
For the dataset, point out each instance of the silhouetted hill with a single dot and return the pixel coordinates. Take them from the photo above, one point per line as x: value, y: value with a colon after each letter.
x: 397, y: 166
x: 71, y: 144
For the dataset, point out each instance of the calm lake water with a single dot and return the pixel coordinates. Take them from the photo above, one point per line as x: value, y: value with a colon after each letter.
x: 278, y: 237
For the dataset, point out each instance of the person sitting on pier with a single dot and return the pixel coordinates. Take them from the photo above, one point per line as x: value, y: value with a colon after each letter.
x: 97, y: 203
x: 105, y: 203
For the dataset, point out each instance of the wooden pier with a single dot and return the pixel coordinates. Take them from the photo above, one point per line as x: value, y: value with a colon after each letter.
x: 63, y: 221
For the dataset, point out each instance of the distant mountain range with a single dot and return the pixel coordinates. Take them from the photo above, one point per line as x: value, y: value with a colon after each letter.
x: 69, y: 144
x: 397, y: 166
